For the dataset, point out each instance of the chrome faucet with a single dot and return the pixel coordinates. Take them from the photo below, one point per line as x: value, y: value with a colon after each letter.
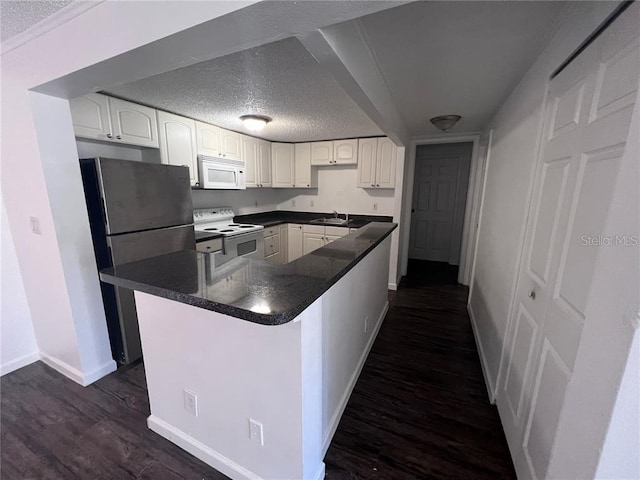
x: 335, y: 214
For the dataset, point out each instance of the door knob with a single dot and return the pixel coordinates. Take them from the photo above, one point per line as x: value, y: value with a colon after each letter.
x: 532, y: 295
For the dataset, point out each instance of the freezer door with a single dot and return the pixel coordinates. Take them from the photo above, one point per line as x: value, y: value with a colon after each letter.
x: 123, y: 320
x: 142, y: 196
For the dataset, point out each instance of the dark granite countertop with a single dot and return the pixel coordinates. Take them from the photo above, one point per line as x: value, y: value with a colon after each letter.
x: 277, y: 217
x: 254, y: 290
x: 202, y: 236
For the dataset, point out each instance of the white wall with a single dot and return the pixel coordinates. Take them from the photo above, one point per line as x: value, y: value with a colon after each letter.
x: 17, y: 341
x: 337, y: 190
x: 243, y: 202
x: 516, y: 130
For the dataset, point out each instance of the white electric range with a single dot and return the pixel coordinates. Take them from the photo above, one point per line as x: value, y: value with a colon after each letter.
x: 238, y: 239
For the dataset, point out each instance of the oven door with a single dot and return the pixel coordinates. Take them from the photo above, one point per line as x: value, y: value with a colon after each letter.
x: 222, y: 177
x: 249, y: 245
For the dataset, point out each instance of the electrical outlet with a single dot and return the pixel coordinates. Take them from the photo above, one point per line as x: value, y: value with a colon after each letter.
x: 312, y: 203
x: 375, y: 206
x: 293, y: 203
x: 366, y: 324
x: 35, y: 225
x: 191, y: 402
x: 256, y: 432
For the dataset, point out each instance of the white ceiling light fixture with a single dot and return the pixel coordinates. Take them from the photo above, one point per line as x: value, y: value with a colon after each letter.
x: 445, y: 122
x: 255, y: 123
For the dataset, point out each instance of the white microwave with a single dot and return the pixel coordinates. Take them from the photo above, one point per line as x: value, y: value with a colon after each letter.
x: 221, y: 173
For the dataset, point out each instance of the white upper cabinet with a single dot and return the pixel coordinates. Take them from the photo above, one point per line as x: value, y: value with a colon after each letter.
x: 217, y: 142
x: 376, y: 163
x: 304, y: 177
x: 345, y: 152
x: 90, y: 116
x: 257, y: 158
x: 208, y: 139
x: 178, y: 142
x: 133, y: 124
x: 110, y: 119
x: 231, y: 144
x: 264, y: 163
x: 282, y: 162
x: 322, y: 153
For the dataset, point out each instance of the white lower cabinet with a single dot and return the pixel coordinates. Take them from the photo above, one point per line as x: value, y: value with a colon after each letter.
x: 178, y: 142
x: 294, y: 240
x: 272, y: 245
x: 284, y: 243
x: 316, y: 236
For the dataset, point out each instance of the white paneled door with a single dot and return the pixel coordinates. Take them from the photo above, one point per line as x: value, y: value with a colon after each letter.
x: 587, y: 117
x: 434, y: 201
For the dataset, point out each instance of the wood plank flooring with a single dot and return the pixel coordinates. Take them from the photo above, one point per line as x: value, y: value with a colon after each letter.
x: 419, y: 409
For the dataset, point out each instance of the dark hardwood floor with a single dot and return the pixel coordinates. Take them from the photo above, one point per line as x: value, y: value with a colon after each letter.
x: 418, y: 411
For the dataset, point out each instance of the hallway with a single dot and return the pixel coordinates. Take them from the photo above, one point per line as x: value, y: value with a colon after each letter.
x: 420, y: 408
x: 418, y: 411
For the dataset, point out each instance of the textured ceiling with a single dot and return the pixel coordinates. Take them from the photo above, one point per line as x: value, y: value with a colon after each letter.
x: 280, y: 79
x: 18, y: 16
x: 463, y: 58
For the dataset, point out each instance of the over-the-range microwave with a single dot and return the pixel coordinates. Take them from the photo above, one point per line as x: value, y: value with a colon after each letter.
x: 221, y: 173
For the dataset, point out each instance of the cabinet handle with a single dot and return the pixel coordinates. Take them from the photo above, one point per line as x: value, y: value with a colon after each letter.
x: 373, y: 185
x: 293, y: 184
x: 377, y: 185
x: 109, y: 135
x: 307, y: 184
x: 118, y: 137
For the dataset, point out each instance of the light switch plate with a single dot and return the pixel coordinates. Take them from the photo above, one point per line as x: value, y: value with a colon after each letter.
x: 256, y: 432
x: 191, y: 402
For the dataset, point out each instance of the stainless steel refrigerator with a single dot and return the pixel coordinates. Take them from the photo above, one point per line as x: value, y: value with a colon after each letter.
x: 136, y: 210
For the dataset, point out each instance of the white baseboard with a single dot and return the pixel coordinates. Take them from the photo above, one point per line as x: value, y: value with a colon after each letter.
x: 76, y: 375
x: 483, y: 359
x: 16, y: 363
x: 200, y: 450
x: 335, y: 419
x: 320, y: 473
x: 392, y: 286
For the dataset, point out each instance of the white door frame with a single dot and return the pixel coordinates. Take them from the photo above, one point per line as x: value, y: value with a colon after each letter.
x: 466, y: 251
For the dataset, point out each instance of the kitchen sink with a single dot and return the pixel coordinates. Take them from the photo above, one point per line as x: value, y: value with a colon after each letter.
x: 330, y: 221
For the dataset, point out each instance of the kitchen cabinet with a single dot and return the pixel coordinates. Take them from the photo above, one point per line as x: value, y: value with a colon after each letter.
x: 316, y: 236
x: 376, y: 163
x: 284, y: 243
x: 294, y: 239
x: 177, y: 137
x: 113, y: 120
x: 304, y: 175
x: 322, y: 153
x: 272, y: 244
x: 217, y: 142
x: 283, y: 165
x: 257, y: 158
x: 345, y: 152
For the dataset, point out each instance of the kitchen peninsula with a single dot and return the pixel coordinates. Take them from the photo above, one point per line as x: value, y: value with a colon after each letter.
x: 250, y: 364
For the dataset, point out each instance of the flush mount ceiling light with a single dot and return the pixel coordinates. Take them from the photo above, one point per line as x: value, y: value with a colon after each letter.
x: 445, y: 122
x: 255, y: 122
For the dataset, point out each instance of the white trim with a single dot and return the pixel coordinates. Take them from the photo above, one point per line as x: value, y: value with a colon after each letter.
x: 320, y: 473
x: 76, y: 375
x: 200, y: 450
x: 58, y: 18
x: 16, y: 363
x: 342, y: 404
x: 392, y: 286
x: 483, y: 360
x: 474, y: 138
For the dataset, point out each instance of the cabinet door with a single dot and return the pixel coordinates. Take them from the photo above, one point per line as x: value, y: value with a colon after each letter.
x: 322, y: 153
x: 208, y: 139
x: 336, y: 232
x: 282, y: 163
x: 345, y: 152
x: 294, y: 240
x: 367, y: 159
x: 303, y: 165
x: 133, y: 124
x: 177, y: 137
x: 311, y: 242
x: 284, y: 243
x: 250, y: 155
x: 90, y: 116
x: 264, y: 163
x: 386, y: 164
x: 231, y: 145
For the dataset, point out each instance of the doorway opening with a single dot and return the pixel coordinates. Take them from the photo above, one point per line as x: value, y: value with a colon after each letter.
x: 440, y: 185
